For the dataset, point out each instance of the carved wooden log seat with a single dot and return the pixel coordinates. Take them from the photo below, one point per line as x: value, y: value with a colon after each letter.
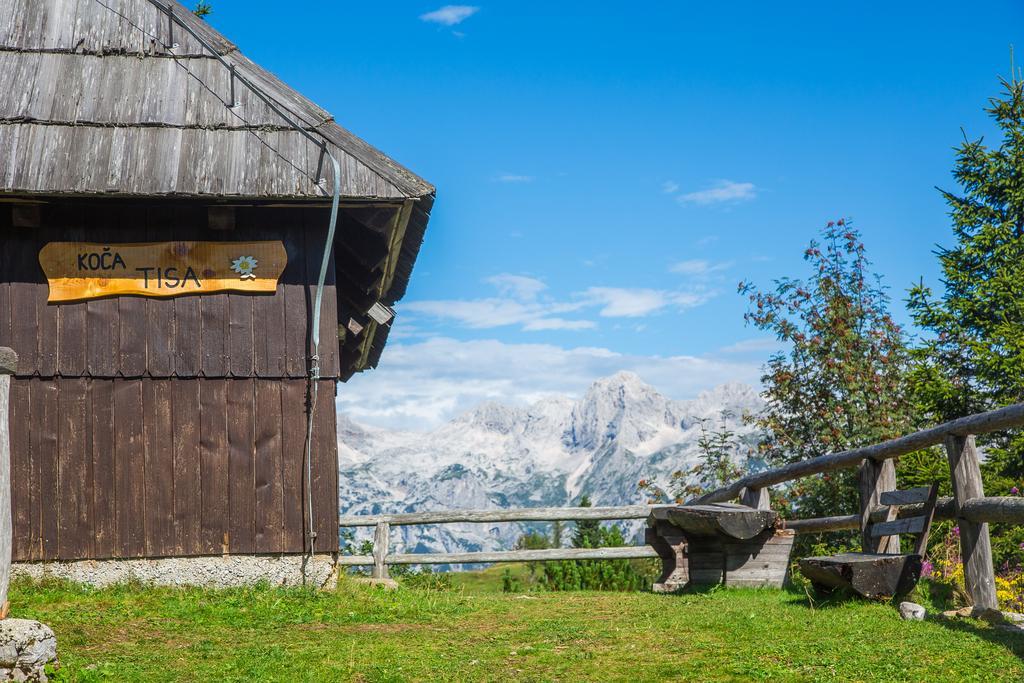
x: 721, y: 543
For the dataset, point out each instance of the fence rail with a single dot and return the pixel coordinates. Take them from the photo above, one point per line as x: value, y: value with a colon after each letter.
x: 507, y: 515
x: 983, y: 423
x: 545, y: 555
x: 969, y: 506
x: 998, y: 509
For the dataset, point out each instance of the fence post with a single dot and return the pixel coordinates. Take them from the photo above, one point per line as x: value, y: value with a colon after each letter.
x: 381, y: 539
x: 756, y: 498
x: 8, y: 366
x: 975, y: 546
x: 874, y: 479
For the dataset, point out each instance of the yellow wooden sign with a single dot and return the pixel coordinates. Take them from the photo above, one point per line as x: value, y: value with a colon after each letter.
x: 80, y: 270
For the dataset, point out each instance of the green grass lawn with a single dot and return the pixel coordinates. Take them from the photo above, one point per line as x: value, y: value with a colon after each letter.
x: 472, y: 632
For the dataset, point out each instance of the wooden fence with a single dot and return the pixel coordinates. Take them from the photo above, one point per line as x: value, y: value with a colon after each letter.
x: 383, y: 523
x: 969, y: 506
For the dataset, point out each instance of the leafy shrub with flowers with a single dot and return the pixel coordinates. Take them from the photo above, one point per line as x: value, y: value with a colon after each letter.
x: 840, y: 381
x: 1007, y: 539
x: 1008, y: 550
x: 945, y: 569
x: 1010, y: 590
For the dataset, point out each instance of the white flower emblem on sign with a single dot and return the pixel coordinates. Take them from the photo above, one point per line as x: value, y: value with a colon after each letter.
x: 244, y: 265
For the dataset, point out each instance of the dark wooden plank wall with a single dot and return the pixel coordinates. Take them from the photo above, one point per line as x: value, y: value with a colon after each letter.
x: 188, y: 467
x: 216, y: 335
x: 149, y: 428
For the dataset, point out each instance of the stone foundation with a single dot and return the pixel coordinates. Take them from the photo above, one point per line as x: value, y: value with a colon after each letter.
x: 215, y: 572
x: 26, y: 647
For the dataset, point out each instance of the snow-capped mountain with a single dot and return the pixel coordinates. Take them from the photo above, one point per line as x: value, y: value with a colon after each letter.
x: 547, y: 454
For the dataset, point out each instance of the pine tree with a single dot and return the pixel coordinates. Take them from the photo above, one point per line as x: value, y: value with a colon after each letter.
x: 587, y: 533
x: 557, y: 530
x: 973, y: 358
x: 972, y: 355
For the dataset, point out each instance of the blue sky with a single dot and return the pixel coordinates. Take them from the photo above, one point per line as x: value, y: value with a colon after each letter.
x: 607, y: 172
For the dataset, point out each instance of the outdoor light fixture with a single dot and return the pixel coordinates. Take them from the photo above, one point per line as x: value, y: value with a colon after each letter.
x: 380, y: 313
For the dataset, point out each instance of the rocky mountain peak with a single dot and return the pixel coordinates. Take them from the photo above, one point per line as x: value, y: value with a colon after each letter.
x: 492, y: 416
x: 619, y: 408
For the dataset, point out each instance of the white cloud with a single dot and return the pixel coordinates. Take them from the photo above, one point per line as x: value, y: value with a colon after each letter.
x: 421, y: 385
x: 450, y: 15
x: 622, y: 302
x: 543, y: 324
x: 618, y: 302
x: 699, y: 267
x: 520, y: 302
x: 722, y: 192
x: 762, y: 345
x: 496, y: 312
x: 514, y: 178
x: 670, y: 187
x: 518, y: 287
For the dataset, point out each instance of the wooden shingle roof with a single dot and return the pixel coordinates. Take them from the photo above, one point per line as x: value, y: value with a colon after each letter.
x: 95, y: 99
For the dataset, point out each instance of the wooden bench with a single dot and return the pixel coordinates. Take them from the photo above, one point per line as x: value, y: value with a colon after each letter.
x: 880, y: 575
x: 721, y: 543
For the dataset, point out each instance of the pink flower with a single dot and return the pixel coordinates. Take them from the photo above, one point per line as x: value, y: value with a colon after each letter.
x: 1015, y: 490
x: 927, y: 568
x: 956, y: 531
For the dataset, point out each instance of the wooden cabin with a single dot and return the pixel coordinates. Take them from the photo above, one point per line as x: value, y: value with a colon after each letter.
x: 155, y: 414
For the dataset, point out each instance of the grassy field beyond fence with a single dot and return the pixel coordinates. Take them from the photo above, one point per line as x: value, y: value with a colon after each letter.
x: 471, y: 632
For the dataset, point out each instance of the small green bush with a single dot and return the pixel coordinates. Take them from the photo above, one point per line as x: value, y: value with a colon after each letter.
x: 603, y: 575
x: 510, y: 583
x: 423, y: 578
